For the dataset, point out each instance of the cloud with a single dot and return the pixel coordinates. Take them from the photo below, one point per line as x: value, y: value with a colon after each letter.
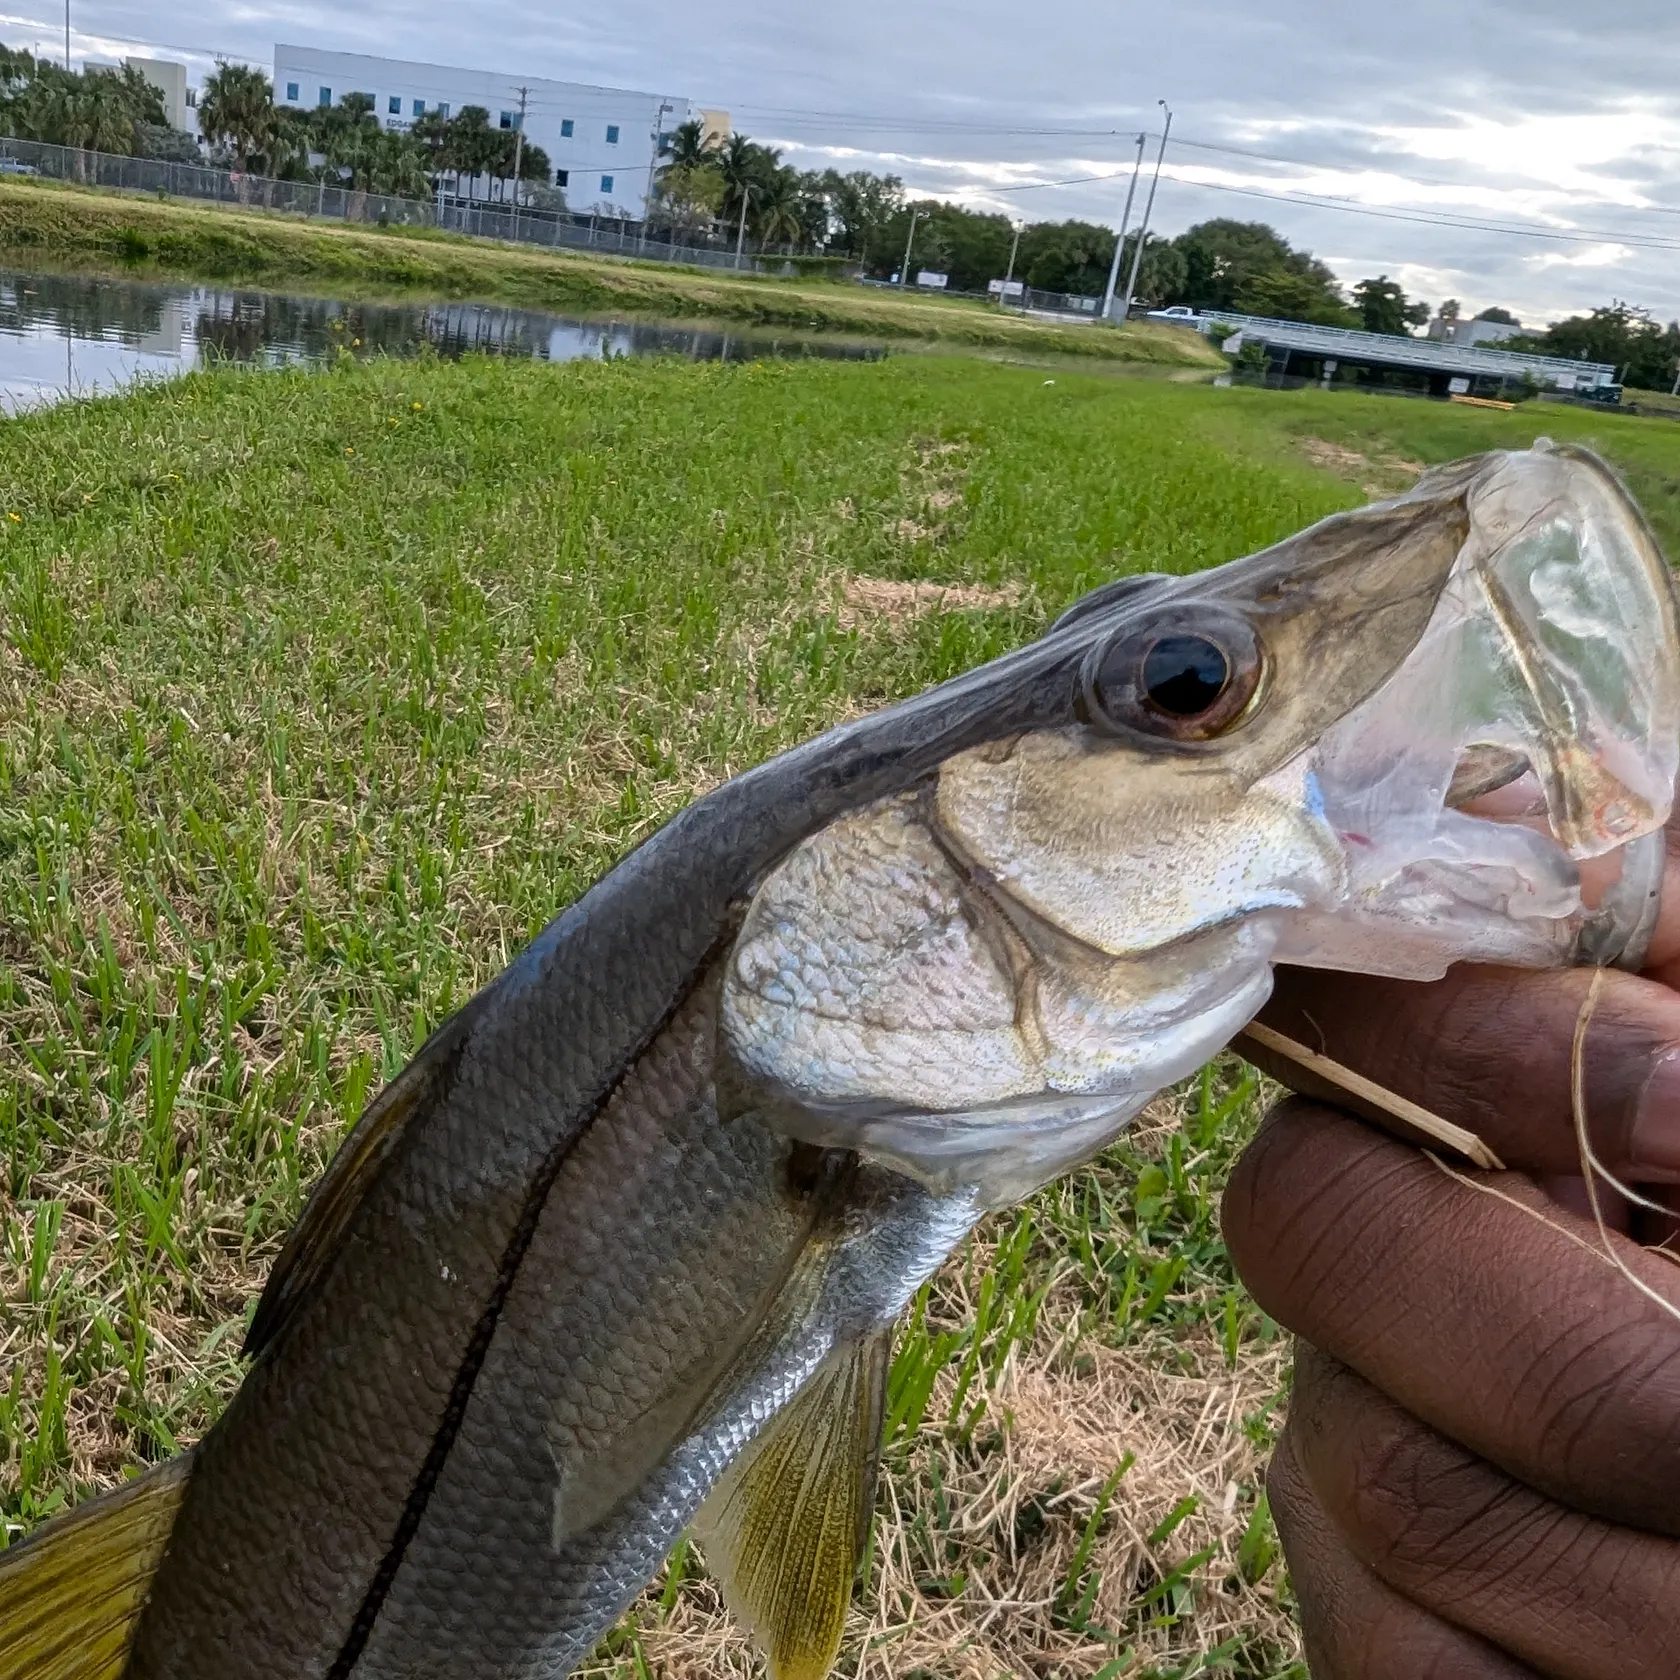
x: 1595, y: 256
x: 1384, y: 135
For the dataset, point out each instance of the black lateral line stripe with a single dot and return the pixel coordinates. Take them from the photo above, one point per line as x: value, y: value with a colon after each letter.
x: 478, y: 1347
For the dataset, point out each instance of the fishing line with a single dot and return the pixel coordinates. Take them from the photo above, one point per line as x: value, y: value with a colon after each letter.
x: 1589, y: 1162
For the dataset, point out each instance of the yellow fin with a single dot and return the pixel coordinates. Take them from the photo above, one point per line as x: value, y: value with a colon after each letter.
x: 784, y: 1528
x: 71, y: 1595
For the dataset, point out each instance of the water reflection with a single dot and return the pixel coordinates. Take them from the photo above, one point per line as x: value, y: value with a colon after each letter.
x: 75, y: 335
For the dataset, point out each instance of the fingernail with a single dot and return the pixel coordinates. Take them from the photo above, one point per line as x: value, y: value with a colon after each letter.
x: 1655, y: 1140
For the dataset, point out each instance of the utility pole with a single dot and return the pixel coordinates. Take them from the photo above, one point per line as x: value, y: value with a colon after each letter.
x: 741, y: 236
x: 67, y: 36
x: 1120, y: 243
x: 518, y: 155
x: 1014, y: 251
x: 904, y: 273
x: 1149, y: 205
x: 1676, y: 391
x: 653, y: 169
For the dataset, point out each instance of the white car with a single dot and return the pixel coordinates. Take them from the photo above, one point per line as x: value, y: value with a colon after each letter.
x: 1180, y: 314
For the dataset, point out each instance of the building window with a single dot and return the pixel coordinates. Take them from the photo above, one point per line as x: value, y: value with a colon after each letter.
x: 612, y: 134
x: 326, y: 96
x: 565, y: 128
x: 562, y: 177
x: 395, y: 106
x: 292, y: 91
x: 419, y: 107
x: 606, y: 183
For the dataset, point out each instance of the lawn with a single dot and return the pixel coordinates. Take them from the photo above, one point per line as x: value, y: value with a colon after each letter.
x: 44, y: 222
x: 320, y: 693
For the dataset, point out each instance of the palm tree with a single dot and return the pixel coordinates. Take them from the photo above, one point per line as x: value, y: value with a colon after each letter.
x: 692, y: 147
x: 473, y: 144
x: 397, y: 166
x: 780, y: 204
x: 236, y: 112
x: 289, y: 146
x: 744, y: 165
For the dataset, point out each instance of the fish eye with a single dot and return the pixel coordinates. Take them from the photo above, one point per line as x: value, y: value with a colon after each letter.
x: 1188, y: 677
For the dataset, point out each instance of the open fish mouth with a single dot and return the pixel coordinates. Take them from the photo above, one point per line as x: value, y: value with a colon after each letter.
x: 1549, y: 667
x: 1386, y: 746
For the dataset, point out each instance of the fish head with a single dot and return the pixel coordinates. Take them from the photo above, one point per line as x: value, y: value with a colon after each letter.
x: 1385, y: 745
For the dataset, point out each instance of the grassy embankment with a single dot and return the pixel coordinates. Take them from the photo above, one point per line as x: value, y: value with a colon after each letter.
x: 320, y: 693
x: 46, y: 223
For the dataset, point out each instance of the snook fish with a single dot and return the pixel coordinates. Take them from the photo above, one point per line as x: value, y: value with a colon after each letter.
x: 621, y: 1250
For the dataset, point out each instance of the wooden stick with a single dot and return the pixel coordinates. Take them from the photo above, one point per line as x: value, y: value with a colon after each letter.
x: 1314, y: 1075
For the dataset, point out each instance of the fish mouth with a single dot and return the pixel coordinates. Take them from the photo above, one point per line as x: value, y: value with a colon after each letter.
x: 1534, y: 727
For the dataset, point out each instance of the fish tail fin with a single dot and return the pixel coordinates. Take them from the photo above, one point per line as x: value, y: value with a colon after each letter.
x: 71, y: 1596
x: 785, y: 1527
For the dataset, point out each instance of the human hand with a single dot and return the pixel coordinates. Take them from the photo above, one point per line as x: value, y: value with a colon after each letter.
x: 1480, y: 1475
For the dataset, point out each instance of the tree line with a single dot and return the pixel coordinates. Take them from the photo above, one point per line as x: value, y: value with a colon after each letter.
x: 733, y: 185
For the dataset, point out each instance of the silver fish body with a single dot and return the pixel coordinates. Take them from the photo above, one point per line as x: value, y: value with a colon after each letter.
x: 619, y: 1251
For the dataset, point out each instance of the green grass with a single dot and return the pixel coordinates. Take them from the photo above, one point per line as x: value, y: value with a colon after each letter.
x: 128, y: 234
x: 319, y: 694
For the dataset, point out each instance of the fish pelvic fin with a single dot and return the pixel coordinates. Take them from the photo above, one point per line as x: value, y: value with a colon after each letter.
x: 71, y: 1596
x: 785, y: 1527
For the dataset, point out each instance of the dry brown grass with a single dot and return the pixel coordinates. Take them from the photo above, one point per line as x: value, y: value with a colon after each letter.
x: 868, y: 600
x: 1379, y: 474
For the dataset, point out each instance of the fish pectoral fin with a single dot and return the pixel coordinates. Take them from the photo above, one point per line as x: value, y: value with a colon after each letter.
x: 71, y: 1596
x: 784, y: 1528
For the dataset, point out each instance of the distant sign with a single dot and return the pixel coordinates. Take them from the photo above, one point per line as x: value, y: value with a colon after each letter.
x: 1458, y: 387
x: 934, y: 282
x: 1007, y: 288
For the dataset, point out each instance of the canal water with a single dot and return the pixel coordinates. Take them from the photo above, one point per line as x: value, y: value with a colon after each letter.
x: 74, y: 335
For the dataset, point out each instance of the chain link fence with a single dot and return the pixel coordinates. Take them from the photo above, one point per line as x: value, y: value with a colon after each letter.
x: 1060, y: 303
x: 482, y: 218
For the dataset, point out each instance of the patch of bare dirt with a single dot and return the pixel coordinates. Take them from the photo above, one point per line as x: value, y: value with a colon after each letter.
x: 1376, y: 475
x: 868, y: 600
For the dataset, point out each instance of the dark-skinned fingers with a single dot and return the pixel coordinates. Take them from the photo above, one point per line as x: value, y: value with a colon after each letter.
x: 1573, y: 1597
x: 1662, y: 959
x: 1508, y: 1332
x: 1490, y: 1049
x: 1356, y: 1626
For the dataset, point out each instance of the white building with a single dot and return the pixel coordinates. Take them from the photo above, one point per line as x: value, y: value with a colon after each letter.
x: 602, y: 143
x: 180, y: 102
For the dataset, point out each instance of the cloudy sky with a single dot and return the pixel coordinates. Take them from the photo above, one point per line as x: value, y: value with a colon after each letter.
x: 1519, y: 152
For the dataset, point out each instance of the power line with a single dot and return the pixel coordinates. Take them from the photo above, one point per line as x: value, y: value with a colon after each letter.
x: 1581, y: 236
x: 1319, y: 201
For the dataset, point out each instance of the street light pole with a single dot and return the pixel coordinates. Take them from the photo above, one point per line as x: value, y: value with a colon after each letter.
x: 904, y: 273
x: 1149, y: 205
x: 1120, y: 243
x: 67, y: 36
